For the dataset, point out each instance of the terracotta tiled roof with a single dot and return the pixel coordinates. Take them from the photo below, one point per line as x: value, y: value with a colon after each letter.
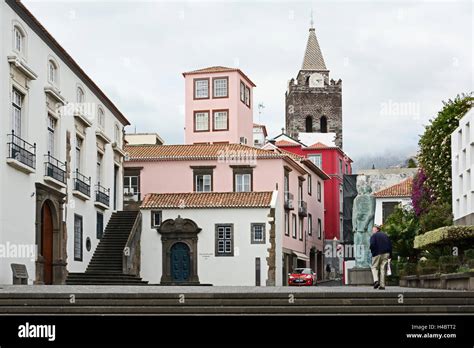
x: 320, y: 145
x: 286, y: 143
x: 207, y: 200
x: 218, y: 69
x: 402, y: 189
x: 197, y: 152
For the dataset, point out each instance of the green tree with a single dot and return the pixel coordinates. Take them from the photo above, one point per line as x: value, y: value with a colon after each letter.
x: 435, y: 146
x: 411, y: 163
x: 402, y: 226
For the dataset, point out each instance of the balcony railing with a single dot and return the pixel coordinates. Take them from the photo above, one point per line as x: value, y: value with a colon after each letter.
x: 21, y: 151
x: 129, y: 194
x: 302, y: 208
x: 55, y: 169
x: 102, y: 195
x: 82, y: 183
x: 289, y: 201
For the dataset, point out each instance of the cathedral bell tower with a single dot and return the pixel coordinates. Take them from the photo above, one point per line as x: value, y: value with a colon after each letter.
x: 313, y: 101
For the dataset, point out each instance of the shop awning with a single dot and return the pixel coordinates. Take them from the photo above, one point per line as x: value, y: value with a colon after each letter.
x: 301, y: 256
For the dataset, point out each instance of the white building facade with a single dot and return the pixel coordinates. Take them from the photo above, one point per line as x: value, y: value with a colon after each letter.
x: 218, y: 238
x: 61, y: 155
x: 387, y: 199
x: 462, y: 157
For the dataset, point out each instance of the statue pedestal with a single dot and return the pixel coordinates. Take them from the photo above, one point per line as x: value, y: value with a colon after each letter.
x: 360, y: 276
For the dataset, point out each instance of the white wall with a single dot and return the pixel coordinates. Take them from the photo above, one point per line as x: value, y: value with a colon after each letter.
x: 17, y: 218
x: 379, y: 203
x: 462, y: 157
x: 217, y: 270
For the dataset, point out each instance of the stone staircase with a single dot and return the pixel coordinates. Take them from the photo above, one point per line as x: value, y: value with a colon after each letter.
x: 133, y: 300
x: 105, y: 267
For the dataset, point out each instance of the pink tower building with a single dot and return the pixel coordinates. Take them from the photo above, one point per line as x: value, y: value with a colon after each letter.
x: 218, y: 106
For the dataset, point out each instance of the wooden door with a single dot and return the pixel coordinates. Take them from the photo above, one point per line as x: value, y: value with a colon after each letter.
x: 47, y: 243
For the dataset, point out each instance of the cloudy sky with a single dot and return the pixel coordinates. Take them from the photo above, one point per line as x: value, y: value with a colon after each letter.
x: 397, y: 59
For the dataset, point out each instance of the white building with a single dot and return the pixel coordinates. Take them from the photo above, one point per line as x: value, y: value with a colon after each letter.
x: 218, y: 238
x: 143, y: 139
x: 259, y: 135
x: 61, y: 154
x: 390, y: 197
x: 462, y: 157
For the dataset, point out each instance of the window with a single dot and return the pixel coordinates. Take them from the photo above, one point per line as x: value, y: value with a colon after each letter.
x: 320, y: 229
x: 51, y: 135
x: 287, y: 224
x: 17, y: 104
x: 77, y: 237
x: 309, y: 124
x: 201, y: 88
x: 316, y: 159
x: 258, y: 233
x: 341, y: 228
x: 52, y: 72
x: 301, y: 229
x: 247, y: 96
x: 310, y: 224
x: 319, y: 191
x: 310, y: 184
x: 117, y: 134
x: 202, y: 182
x: 201, y: 121
x: 131, y: 187
x: 242, y: 92
x: 156, y: 218
x: 340, y: 166
x: 295, y: 226
x: 221, y: 120
x: 79, y: 95
x: 99, y: 168
x: 99, y: 225
x: 101, y: 118
x: 19, y: 40
x: 324, y: 124
x: 341, y: 199
x: 225, y: 240
x: 242, y: 182
x: 387, y: 209
x: 347, y: 169
x: 78, y: 152
x: 220, y: 87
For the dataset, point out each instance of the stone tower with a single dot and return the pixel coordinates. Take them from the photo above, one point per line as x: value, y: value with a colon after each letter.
x: 314, y: 102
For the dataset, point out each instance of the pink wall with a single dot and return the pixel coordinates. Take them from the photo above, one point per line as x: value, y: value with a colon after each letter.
x: 268, y: 175
x: 240, y: 116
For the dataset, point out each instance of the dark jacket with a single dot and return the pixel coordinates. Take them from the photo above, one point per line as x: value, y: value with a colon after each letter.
x: 380, y: 244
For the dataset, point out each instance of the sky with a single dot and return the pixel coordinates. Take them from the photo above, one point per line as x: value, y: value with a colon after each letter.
x: 398, y: 60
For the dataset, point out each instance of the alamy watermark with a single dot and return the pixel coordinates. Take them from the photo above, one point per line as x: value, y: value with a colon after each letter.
x: 400, y: 109
x: 22, y: 251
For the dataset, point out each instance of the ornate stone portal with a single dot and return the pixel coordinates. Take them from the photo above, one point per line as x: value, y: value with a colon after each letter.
x: 363, y: 214
x: 176, y: 233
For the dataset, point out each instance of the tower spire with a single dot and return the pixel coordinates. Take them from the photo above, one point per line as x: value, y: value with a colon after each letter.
x: 313, y: 58
x: 312, y: 20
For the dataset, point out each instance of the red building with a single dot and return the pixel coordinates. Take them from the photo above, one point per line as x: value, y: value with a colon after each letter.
x: 334, y: 162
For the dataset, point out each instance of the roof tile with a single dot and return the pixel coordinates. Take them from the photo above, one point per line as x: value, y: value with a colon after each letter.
x: 402, y: 189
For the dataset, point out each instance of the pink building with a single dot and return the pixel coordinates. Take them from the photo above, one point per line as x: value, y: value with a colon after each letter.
x: 240, y: 168
x: 218, y: 106
x: 219, y: 122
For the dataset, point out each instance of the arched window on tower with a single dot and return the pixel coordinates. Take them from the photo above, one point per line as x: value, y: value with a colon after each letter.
x: 309, y: 124
x: 324, y: 124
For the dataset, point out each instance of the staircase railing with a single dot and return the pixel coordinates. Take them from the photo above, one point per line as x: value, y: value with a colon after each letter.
x: 131, y: 252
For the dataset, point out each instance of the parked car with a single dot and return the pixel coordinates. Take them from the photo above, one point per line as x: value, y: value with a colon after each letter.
x: 301, y: 277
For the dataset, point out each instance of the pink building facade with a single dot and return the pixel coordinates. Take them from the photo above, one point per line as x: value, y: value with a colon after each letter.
x: 218, y: 106
x: 236, y: 168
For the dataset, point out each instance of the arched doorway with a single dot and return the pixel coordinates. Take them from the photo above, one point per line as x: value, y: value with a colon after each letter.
x: 47, y: 242
x: 179, y: 239
x: 324, y: 124
x: 180, y: 262
x: 309, y: 124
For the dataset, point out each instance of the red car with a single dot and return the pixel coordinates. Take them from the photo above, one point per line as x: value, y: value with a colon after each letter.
x: 301, y: 277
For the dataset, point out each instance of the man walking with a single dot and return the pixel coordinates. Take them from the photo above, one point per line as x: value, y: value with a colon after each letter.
x: 381, y: 248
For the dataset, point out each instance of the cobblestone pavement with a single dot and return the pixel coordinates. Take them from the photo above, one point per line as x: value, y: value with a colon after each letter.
x: 5, y: 289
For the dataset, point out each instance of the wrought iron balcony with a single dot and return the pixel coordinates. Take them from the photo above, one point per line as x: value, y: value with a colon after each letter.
x: 82, y: 183
x: 21, y: 151
x: 102, y: 195
x: 289, y: 201
x: 302, y: 208
x: 55, y: 169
